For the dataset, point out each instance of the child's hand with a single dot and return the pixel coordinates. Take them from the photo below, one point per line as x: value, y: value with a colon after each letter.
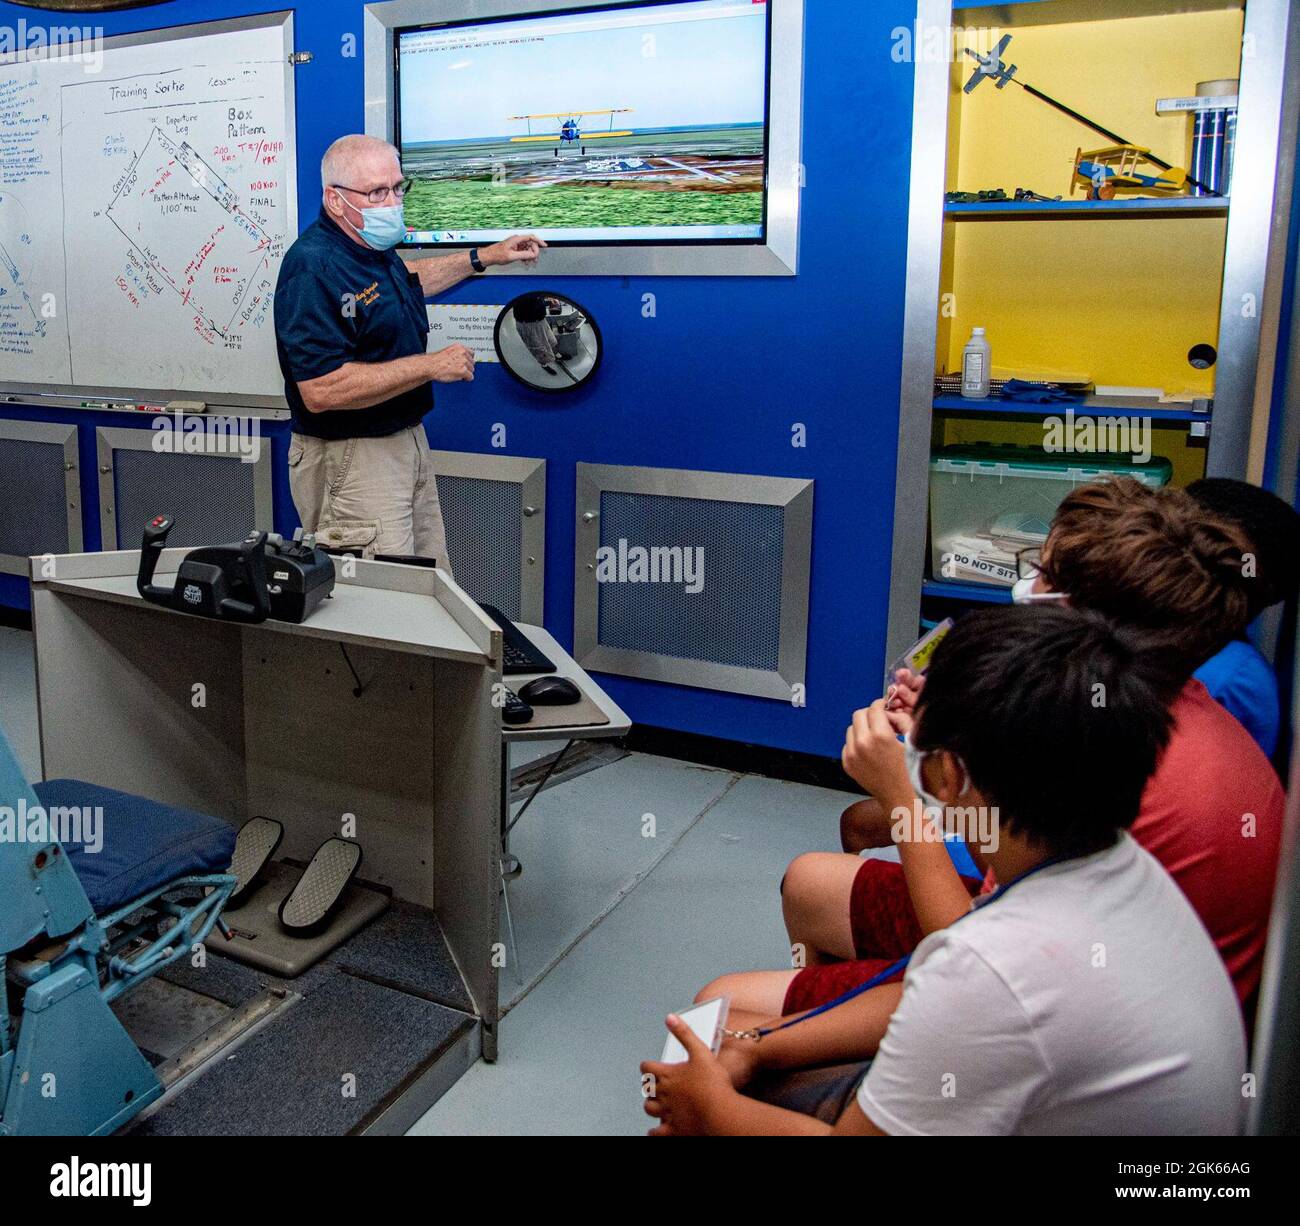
x: 900, y: 721
x: 739, y: 1057
x: 905, y: 691
x: 684, y: 1097
x: 873, y: 755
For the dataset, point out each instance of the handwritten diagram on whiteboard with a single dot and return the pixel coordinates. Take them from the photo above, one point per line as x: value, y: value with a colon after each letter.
x: 144, y: 210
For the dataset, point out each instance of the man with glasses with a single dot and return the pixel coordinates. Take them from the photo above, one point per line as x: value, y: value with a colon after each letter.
x: 352, y: 333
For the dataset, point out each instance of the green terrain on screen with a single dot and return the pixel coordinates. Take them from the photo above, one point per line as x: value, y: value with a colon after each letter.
x: 484, y: 205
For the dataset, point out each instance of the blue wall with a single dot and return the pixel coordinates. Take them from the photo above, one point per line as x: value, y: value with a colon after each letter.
x: 721, y: 374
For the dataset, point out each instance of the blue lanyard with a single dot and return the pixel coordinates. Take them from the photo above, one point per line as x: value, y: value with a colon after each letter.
x: 876, y: 980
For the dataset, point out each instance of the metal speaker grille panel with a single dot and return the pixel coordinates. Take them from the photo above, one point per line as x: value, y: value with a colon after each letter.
x: 33, y: 498
x: 734, y: 619
x: 484, y: 524
x: 210, y: 497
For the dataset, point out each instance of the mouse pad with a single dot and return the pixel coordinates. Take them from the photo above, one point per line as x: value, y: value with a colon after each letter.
x: 581, y: 714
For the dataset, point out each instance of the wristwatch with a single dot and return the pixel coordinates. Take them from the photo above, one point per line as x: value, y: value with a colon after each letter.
x: 474, y: 262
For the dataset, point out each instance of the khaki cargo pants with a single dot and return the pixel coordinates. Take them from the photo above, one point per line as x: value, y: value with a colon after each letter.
x: 377, y: 495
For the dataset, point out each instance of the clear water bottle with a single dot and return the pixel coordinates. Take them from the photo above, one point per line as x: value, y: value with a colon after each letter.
x: 975, y: 361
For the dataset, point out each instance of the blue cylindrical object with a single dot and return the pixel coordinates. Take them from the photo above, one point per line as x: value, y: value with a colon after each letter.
x: 1214, y: 141
x: 1229, y: 148
x: 1212, y: 137
x: 1196, y: 172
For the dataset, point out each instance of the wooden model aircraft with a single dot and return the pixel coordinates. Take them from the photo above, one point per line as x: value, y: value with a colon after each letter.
x: 1105, y: 171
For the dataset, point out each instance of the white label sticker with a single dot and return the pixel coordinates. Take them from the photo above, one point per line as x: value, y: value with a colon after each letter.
x: 451, y: 323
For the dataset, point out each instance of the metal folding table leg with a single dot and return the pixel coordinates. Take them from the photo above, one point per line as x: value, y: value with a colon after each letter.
x: 509, y: 865
x: 501, y: 862
x: 510, y: 929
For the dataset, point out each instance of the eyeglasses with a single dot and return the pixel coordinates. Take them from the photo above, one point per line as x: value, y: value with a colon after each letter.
x: 377, y: 195
x: 1029, y: 565
x: 1029, y: 562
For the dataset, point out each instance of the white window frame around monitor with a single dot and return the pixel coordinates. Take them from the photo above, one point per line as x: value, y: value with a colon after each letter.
x: 778, y: 257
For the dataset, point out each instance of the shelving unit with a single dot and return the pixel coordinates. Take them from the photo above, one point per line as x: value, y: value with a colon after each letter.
x: 976, y: 593
x: 1136, y: 269
x: 1097, y: 406
x: 1056, y: 210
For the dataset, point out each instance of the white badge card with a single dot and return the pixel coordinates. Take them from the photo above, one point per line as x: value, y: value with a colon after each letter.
x: 452, y: 323
x: 707, y: 1021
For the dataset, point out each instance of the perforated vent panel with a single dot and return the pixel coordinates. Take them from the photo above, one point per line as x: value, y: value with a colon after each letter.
x: 735, y: 617
x: 33, y: 498
x: 210, y: 497
x: 484, y: 526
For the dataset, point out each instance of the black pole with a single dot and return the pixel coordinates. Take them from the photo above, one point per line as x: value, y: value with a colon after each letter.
x: 1106, y: 132
x: 1083, y: 119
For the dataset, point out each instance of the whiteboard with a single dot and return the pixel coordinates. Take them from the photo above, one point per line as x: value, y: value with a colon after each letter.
x: 148, y: 190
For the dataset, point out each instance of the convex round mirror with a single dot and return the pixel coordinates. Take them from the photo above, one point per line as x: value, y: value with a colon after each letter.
x: 548, y: 341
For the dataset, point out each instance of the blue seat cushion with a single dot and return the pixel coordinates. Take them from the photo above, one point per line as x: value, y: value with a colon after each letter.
x: 137, y: 845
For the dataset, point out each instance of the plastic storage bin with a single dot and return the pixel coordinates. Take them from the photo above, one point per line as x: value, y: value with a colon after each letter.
x: 989, y: 501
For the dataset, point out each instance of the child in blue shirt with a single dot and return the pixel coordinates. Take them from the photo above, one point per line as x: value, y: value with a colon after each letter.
x: 1238, y: 676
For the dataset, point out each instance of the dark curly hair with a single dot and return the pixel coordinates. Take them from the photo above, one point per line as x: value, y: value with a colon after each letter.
x: 1271, y: 525
x: 1059, y: 715
x: 1154, y: 559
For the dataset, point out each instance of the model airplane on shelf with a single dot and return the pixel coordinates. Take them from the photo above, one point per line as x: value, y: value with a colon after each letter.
x: 1105, y: 171
x: 992, y: 67
x: 570, y: 129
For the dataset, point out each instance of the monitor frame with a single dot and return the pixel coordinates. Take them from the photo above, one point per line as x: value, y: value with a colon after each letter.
x: 776, y: 255
x: 612, y: 6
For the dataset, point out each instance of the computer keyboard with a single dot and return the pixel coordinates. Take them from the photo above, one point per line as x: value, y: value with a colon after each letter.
x: 519, y: 653
x: 516, y: 710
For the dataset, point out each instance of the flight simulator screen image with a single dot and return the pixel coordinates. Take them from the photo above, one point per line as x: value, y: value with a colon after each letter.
x: 633, y: 123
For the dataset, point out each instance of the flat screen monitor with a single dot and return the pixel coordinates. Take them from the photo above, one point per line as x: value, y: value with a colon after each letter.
x: 643, y: 123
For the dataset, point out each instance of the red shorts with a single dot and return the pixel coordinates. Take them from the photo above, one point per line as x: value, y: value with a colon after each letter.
x: 885, y: 929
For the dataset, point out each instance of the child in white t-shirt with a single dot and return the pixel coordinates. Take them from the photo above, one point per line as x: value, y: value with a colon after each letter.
x: 1084, y: 996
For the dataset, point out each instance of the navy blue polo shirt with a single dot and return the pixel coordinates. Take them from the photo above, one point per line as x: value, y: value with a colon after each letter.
x: 337, y: 302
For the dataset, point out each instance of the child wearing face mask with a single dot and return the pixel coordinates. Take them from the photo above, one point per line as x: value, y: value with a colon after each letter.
x: 1236, y: 674
x: 1211, y: 813
x: 1008, y: 1005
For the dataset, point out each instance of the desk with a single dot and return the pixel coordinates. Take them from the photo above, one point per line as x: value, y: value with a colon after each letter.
x: 239, y: 720
x: 566, y: 666
x: 619, y: 725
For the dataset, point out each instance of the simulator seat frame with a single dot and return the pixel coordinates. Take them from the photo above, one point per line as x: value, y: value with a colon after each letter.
x: 69, y: 947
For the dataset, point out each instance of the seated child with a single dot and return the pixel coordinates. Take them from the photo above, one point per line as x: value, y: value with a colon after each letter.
x: 1238, y: 676
x: 1084, y: 995
x: 1212, y: 811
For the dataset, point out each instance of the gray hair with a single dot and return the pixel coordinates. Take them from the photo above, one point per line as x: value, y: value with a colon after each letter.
x: 336, y: 166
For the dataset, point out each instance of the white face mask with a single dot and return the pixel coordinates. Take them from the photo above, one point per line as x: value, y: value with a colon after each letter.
x: 1022, y: 592
x: 914, y: 758
x: 381, y: 228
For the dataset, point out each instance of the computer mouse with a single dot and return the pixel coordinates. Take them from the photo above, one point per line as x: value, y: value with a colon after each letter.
x: 550, y: 692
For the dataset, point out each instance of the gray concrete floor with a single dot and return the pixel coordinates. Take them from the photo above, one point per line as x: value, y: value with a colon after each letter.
x: 570, y: 1048
x: 642, y: 880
